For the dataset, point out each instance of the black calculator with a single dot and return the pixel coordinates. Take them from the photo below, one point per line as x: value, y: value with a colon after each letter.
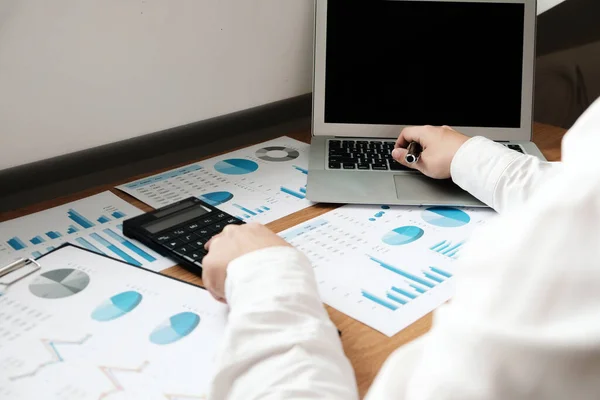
x: 180, y: 230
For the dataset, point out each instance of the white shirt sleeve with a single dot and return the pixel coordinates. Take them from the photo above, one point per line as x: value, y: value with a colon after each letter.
x: 523, y: 323
x: 279, y: 342
x: 499, y: 177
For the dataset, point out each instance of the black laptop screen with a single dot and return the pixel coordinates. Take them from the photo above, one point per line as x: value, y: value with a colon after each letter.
x: 424, y: 62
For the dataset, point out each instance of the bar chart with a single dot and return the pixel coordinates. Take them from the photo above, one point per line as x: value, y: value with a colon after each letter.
x: 448, y: 248
x: 247, y: 213
x: 299, y: 194
x: 303, y: 170
x: 94, y: 223
x: 413, y: 285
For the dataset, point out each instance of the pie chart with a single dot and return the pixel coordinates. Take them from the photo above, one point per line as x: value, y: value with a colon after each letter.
x: 402, y: 235
x: 175, y: 328
x: 277, y: 154
x: 59, y: 283
x: 117, y: 306
x: 445, y: 217
x: 236, y: 166
x: 216, y: 198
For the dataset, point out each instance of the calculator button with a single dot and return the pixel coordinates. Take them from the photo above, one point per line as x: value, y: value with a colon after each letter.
x: 205, y: 232
x: 178, y: 232
x: 220, y: 216
x: 188, y: 237
x: 199, y: 242
x: 194, y: 226
x: 219, y: 226
x: 173, y: 243
x: 233, y: 221
x: 185, y: 250
x: 196, y: 255
x: 207, y: 221
x: 163, y: 238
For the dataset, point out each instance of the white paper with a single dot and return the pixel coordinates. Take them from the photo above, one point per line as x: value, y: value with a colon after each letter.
x: 260, y: 183
x: 99, y: 230
x: 74, y: 343
x: 362, y: 253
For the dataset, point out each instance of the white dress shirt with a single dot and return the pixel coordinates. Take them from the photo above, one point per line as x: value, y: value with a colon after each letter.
x: 524, y: 322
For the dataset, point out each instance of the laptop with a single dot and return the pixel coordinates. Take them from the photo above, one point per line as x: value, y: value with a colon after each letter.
x: 382, y: 65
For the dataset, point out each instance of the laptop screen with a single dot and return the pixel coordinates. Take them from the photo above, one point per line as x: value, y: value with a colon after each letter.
x: 424, y: 62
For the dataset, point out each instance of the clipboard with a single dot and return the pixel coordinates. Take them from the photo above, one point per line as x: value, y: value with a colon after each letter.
x: 82, y: 321
x: 23, y: 267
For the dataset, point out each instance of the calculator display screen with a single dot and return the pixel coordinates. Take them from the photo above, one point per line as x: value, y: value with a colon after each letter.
x: 175, y: 219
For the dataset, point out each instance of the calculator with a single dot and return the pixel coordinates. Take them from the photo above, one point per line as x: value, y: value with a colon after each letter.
x: 180, y: 230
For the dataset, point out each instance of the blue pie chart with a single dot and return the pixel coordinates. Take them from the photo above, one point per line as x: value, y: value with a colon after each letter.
x: 216, y: 198
x: 402, y: 235
x: 236, y: 166
x: 117, y: 306
x: 446, y: 217
x: 175, y: 328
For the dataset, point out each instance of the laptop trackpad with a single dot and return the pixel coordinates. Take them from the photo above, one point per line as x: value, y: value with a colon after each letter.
x: 417, y: 188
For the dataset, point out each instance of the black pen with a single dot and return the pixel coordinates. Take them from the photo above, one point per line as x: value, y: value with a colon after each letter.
x: 414, y: 152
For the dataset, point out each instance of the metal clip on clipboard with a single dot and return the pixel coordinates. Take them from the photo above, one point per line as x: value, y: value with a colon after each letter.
x: 16, y: 271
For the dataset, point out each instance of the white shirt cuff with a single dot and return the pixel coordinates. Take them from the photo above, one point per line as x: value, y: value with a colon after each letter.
x: 479, y: 164
x: 266, y: 273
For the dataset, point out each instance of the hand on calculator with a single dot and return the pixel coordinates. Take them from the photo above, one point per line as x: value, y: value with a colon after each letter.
x: 233, y: 242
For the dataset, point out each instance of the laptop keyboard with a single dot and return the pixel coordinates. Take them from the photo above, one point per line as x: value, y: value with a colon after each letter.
x: 375, y: 155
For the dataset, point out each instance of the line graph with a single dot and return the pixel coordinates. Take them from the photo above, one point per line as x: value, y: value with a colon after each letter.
x: 51, y: 345
x: 109, y: 372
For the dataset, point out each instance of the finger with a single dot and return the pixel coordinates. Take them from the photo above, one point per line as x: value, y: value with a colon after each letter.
x: 211, y: 241
x: 411, y: 134
x: 399, y: 155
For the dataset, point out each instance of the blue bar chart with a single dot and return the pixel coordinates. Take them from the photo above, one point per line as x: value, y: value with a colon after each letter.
x: 396, y: 296
x: 94, y: 223
x: 299, y: 194
x: 137, y: 250
x: 414, y: 284
x: 37, y: 240
x: 80, y: 219
x: 116, y: 251
x: 250, y: 212
x: 53, y: 234
x: 16, y: 243
x: 447, y: 248
x: 379, y: 300
x: 303, y: 170
x: 411, y: 277
x: 85, y: 243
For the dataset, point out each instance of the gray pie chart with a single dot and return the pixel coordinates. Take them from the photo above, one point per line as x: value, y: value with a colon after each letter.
x: 290, y: 154
x: 59, y: 283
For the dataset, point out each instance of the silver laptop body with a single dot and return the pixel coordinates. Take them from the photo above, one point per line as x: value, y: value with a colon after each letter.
x: 381, y: 65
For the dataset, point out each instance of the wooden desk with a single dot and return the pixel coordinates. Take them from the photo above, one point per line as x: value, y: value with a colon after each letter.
x: 366, y: 348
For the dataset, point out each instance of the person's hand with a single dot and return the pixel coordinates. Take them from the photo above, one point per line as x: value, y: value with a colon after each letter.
x: 233, y: 242
x: 440, y: 144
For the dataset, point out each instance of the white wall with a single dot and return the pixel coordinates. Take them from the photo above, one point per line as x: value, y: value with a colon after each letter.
x: 545, y: 5
x: 81, y: 73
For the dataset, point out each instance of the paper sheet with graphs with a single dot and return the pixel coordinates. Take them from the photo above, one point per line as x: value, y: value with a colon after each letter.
x: 259, y: 183
x: 94, y: 222
x: 386, y: 266
x: 88, y: 327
